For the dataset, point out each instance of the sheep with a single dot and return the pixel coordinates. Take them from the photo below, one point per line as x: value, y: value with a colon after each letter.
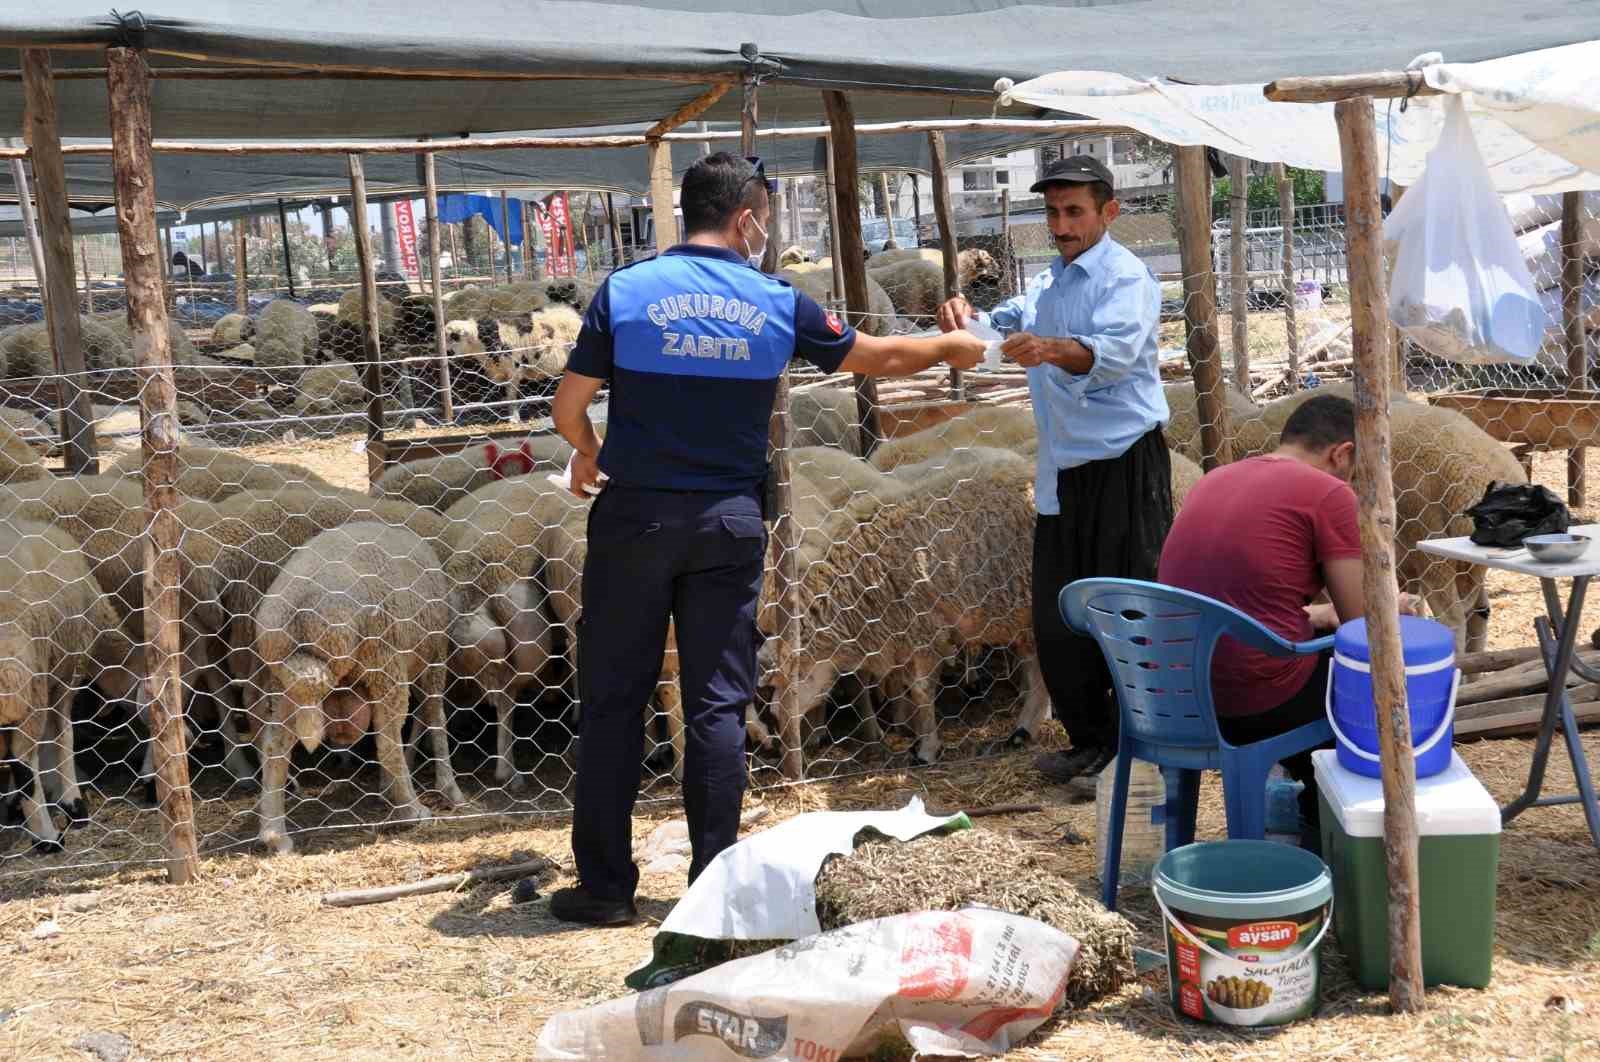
x: 337, y: 391
x: 793, y: 255
x: 232, y: 329
x: 825, y: 416
x: 354, y: 619
x: 1004, y: 427
x: 914, y: 285
x: 116, y: 323
x: 285, y: 335
x: 352, y: 313
x: 18, y: 461
x: 25, y: 348
x: 32, y: 429
x: 574, y: 291
x: 51, y: 614
x: 912, y: 582
x: 440, y: 482
x: 817, y: 281
x: 974, y: 266
x: 1248, y: 432
x: 529, y: 347
x: 206, y: 474
x: 1185, y: 474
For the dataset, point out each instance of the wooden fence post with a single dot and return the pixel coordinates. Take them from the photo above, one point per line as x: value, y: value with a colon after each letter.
x: 1572, y: 320
x: 283, y: 236
x: 666, y: 222
x: 128, y: 90
x: 617, y: 259
x: 58, y: 284
x: 847, y: 247
x: 1239, y: 193
x: 1192, y: 186
x: 947, y: 236
x: 430, y: 179
x: 1286, y: 227
x: 371, y: 348
x: 505, y: 226
x: 889, y: 242
x: 1369, y: 319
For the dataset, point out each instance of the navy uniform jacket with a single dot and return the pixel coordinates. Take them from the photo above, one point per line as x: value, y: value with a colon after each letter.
x: 693, y: 342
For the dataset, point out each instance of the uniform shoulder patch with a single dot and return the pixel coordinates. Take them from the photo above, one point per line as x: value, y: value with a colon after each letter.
x: 835, y: 325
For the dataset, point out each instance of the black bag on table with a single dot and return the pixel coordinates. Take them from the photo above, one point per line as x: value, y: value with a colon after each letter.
x: 1511, y: 512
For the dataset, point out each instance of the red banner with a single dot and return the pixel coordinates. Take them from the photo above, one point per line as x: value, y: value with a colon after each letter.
x: 406, y: 226
x: 557, y: 224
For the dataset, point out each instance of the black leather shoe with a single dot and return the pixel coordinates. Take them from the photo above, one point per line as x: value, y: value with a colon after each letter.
x: 577, y: 905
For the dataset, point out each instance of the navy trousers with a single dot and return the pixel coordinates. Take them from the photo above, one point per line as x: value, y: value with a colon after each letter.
x: 696, y: 559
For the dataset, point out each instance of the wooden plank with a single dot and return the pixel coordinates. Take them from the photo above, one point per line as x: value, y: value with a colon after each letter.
x: 1473, y: 714
x: 1496, y: 659
x: 1572, y: 330
x: 371, y: 348
x: 1523, y: 721
x: 1358, y: 149
x: 436, y: 286
x: 947, y: 234
x: 1239, y: 189
x: 1542, y: 419
x: 691, y: 110
x: 1193, y: 188
x: 128, y: 91
x: 59, y: 282
x: 1286, y: 230
x: 1389, y: 84
x: 847, y: 247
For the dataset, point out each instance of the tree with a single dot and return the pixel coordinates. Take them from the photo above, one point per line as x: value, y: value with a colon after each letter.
x: 1263, y: 191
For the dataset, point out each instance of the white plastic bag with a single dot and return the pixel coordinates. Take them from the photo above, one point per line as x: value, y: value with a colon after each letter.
x: 1461, y: 289
x: 966, y: 983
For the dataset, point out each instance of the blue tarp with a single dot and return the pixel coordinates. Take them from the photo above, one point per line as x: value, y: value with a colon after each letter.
x: 456, y: 207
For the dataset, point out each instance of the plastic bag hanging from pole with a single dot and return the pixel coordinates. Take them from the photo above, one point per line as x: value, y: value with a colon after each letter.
x: 1461, y: 289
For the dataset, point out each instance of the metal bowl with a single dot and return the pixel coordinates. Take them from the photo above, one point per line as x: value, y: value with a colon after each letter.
x: 1556, y: 549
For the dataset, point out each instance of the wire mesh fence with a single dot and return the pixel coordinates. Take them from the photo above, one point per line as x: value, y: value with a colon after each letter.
x: 360, y: 652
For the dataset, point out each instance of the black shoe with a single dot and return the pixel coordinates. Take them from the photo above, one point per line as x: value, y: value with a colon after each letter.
x: 577, y: 905
x: 1086, y: 785
x: 1062, y: 767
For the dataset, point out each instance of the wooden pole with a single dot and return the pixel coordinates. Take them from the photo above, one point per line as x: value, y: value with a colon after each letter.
x: 241, y: 267
x: 1192, y: 185
x: 128, y: 91
x: 1286, y: 227
x: 769, y: 260
x: 1358, y: 148
x: 947, y: 237
x: 617, y: 259
x: 1572, y: 319
x: 780, y: 505
x: 1007, y: 259
x: 88, y: 281
x: 1397, y: 341
x: 283, y: 235
x: 791, y: 193
x: 30, y: 223
x: 837, y: 260
x: 505, y: 226
x: 527, y: 241
x: 216, y: 238
x: 431, y: 211
x: 372, y: 350
x: 889, y: 242
x: 583, y: 234
x: 666, y: 223
x: 1239, y: 189
x: 1389, y: 84
x: 59, y: 282
x: 916, y: 206
x: 326, y: 210
x: 847, y: 251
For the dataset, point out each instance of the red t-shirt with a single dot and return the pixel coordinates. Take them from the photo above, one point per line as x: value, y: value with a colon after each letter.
x: 1255, y: 534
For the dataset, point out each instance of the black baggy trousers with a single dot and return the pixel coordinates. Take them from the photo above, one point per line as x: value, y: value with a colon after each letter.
x: 1115, y: 515
x: 696, y: 559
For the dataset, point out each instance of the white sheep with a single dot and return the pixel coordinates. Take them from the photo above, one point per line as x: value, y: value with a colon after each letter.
x: 116, y: 323
x: 974, y: 266
x: 354, y: 620
x: 440, y: 482
x: 18, y: 461
x: 206, y: 474
x: 825, y: 416
x: 285, y: 335
x: 913, y: 582
x: 1003, y: 427
x: 232, y: 329
x: 25, y: 348
x: 816, y: 280
x: 517, y: 348
x: 1247, y: 430
x: 51, y: 615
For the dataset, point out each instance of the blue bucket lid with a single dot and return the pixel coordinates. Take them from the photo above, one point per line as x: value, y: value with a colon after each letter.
x: 1247, y: 880
x: 1423, y: 641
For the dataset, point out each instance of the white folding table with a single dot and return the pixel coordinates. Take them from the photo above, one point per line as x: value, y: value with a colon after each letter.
x: 1558, y: 633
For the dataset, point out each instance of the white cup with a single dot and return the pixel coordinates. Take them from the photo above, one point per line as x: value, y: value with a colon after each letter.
x: 991, y: 354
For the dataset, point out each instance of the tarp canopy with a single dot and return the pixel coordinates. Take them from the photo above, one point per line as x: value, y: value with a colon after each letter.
x: 1536, y: 117
x: 331, y: 69
x: 189, y: 181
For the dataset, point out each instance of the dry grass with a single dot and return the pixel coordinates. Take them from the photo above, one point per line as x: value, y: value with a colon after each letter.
x: 246, y: 963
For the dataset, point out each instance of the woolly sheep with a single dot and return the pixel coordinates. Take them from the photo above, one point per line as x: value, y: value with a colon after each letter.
x: 33, y: 429
x: 116, y: 322
x: 440, y: 482
x: 206, y: 474
x: 825, y: 416
x: 916, y: 580
x: 914, y: 285
x: 232, y: 329
x: 18, y: 461
x: 817, y: 281
x: 25, y: 348
x: 1183, y: 427
x: 335, y: 390
x: 286, y: 335
x: 1185, y: 474
x: 51, y: 614
x: 1004, y: 427
x: 351, y: 312
x: 974, y: 266
x: 792, y: 256
x: 355, y: 619
x: 518, y: 348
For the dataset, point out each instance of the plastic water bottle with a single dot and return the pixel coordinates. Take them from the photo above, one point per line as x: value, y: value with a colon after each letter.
x: 1283, y: 807
x: 1144, y: 831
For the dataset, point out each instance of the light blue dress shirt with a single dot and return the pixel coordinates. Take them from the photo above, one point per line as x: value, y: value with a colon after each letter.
x: 1108, y: 300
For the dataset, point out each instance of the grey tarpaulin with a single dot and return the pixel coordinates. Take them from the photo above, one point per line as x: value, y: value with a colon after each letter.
x: 185, y: 181
x: 642, y: 57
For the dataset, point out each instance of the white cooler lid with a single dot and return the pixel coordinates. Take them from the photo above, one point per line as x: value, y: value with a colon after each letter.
x: 1450, y: 803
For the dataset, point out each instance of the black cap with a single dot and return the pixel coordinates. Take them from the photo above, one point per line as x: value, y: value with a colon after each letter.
x: 1075, y: 169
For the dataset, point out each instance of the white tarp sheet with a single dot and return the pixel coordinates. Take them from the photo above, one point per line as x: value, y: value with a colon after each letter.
x: 1536, y: 117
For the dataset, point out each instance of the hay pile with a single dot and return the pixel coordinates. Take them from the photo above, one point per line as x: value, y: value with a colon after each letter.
x: 884, y: 877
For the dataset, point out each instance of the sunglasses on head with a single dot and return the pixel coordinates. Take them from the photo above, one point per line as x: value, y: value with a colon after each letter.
x: 761, y: 174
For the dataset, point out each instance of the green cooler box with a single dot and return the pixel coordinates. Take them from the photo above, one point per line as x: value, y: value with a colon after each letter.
x: 1459, y: 827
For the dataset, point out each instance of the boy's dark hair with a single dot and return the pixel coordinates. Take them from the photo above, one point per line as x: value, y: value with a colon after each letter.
x: 715, y: 189
x: 1321, y: 422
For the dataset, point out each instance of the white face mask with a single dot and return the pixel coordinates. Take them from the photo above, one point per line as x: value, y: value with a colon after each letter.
x: 753, y: 256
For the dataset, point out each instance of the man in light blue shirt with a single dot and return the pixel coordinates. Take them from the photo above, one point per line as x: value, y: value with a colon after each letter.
x: 1085, y: 330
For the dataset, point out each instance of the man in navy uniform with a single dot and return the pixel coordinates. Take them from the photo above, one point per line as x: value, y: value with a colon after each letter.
x: 692, y: 343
